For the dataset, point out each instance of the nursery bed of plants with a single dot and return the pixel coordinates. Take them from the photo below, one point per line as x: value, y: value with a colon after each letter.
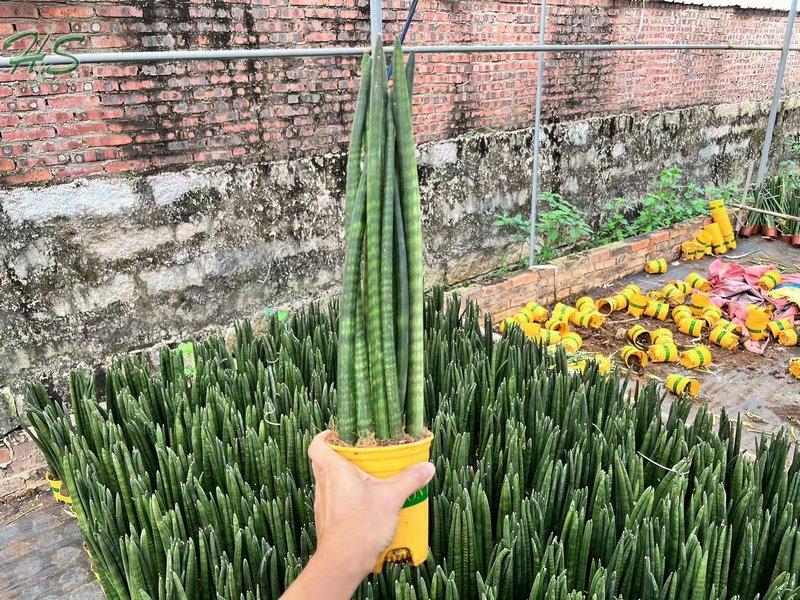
x: 191, y: 480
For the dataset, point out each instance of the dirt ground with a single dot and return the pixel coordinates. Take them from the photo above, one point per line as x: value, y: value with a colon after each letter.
x: 757, y: 386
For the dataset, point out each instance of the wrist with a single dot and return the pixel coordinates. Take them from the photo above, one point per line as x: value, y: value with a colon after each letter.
x: 344, y: 563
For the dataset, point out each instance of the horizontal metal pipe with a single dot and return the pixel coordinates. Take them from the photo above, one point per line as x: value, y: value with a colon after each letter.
x: 764, y: 211
x: 264, y: 53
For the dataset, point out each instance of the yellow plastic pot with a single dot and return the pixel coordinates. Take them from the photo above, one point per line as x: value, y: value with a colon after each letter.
x: 720, y: 215
x: 603, y: 364
x: 662, y: 335
x: 716, y: 203
x: 593, y: 320
x: 692, y: 327
x: 775, y: 327
x: 717, y: 241
x: 605, y: 306
x: 673, y: 295
x: 655, y: 295
x: 711, y: 314
x: 633, y: 357
x: 410, y: 543
x: 656, y: 266
x: 666, y: 352
x: 639, y: 337
x: 596, y: 320
x: 769, y: 280
x: 556, y: 325
x: 755, y: 308
x: 794, y: 367
x: 692, y: 251
x: 681, y: 312
x: 724, y: 338
x: 657, y: 310
x: 788, y: 337
x: 684, y: 287
x: 55, y: 484
x: 699, y: 356
x: 532, y: 330
x: 703, y: 240
x: 585, y: 304
x: 562, y: 312
x: 680, y: 385
x: 696, y: 281
x: 572, y: 342
x: 729, y: 326
x: 699, y: 302
x: 535, y: 313
x: 636, y: 305
x: 632, y: 288
x: 548, y: 337
x: 756, y: 324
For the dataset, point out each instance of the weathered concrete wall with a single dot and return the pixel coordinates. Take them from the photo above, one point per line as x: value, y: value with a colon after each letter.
x: 102, y: 266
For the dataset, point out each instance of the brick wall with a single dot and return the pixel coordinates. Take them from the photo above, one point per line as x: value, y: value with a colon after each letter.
x: 105, y: 119
x: 575, y: 274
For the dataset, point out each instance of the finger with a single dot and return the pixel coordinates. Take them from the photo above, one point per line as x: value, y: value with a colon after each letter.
x: 324, y: 458
x: 318, y: 446
x: 414, y: 478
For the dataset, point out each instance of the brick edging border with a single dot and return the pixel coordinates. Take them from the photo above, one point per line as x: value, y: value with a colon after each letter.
x: 577, y: 273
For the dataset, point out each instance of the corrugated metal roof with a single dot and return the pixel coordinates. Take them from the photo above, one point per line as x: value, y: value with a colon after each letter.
x: 782, y: 5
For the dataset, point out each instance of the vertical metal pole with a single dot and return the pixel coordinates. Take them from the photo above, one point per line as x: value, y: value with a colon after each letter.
x: 375, y: 20
x: 537, y: 131
x: 776, y: 97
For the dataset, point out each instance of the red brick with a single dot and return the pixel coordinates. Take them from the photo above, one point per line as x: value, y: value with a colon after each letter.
x: 659, y: 236
x: 77, y: 129
x: 639, y: 245
x: 24, y: 133
x: 28, y: 178
x: 9, y: 120
x: 73, y: 100
x: 107, y: 140
x: 79, y: 170
x: 598, y: 254
x: 127, y: 165
x: 118, y: 11
x: 525, y: 277
x: 18, y: 10
x: 69, y: 11
x: 6, y: 164
x: 108, y: 41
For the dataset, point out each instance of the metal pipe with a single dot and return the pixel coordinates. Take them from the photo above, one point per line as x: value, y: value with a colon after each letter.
x: 537, y: 133
x: 776, y: 96
x: 299, y: 52
x: 764, y: 211
x: 375, y: 20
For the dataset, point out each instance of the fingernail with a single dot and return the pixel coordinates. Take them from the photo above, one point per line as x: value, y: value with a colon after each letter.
x: 428, y: 469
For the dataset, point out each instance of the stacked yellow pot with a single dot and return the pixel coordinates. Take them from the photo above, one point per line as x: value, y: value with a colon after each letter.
x: 721, y: 218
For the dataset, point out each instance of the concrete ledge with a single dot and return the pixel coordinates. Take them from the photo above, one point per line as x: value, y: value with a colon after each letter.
x: 572, y: 275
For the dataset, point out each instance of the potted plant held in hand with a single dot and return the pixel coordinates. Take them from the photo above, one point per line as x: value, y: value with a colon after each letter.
x: 379, y: 415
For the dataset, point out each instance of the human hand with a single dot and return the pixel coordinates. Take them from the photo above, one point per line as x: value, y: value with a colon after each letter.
x: 356, y: 514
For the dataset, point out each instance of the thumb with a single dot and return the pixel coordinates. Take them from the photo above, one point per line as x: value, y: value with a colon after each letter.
x: 414, y: 478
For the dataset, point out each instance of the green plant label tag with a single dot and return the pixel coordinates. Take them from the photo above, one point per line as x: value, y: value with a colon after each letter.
x: 281, y: 315
x: 187, y: 350
x: 416, y: 497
